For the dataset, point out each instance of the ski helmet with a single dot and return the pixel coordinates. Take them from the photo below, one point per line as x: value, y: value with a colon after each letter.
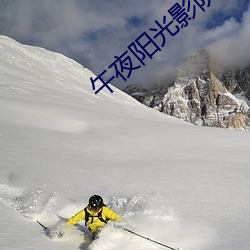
x: 95, y: 202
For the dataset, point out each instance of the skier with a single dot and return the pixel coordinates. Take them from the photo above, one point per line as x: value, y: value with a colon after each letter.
x: 95, y: 214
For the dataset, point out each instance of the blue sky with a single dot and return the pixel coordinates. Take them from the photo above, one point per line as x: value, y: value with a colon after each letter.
x: 218, y: 16
x: 93, y: 32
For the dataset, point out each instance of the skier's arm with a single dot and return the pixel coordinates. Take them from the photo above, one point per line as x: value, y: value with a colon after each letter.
x: 110, y: 214
x: 77, y: 217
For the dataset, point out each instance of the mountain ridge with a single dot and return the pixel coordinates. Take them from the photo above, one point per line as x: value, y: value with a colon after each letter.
x: 200, y: 95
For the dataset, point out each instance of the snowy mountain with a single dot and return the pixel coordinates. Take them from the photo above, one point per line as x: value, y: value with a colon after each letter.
x: 201, y: 96
x: 237, y: 81
x: 182, y: 185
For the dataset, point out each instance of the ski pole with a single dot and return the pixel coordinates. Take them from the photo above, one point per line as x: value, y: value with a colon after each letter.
x: 146, y: 238
x: 45, y: 228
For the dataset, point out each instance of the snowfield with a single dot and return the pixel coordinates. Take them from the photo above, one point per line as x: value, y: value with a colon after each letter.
x: 181, y: 185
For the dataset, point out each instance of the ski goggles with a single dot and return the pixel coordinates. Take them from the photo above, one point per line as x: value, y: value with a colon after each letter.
x: 94, y: 208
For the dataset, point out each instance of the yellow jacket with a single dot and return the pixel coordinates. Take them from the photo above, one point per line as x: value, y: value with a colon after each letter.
x: 94, y: 223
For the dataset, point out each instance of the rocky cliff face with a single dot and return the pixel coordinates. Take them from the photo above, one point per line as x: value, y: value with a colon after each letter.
x: 201, y: 97
x: 237, y: 81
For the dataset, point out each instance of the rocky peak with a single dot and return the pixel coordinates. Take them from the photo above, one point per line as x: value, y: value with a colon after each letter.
x: 201, y: 97
x: 197, y: 64
x: 237, y: 81
x: 137, y: 91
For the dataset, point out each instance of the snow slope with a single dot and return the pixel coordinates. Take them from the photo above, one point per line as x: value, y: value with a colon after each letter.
x: 182, y: 185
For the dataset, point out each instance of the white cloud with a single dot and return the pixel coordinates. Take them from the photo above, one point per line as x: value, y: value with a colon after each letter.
x: 233, y: 49
x: 94, y: 31
x: 228, y: 28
